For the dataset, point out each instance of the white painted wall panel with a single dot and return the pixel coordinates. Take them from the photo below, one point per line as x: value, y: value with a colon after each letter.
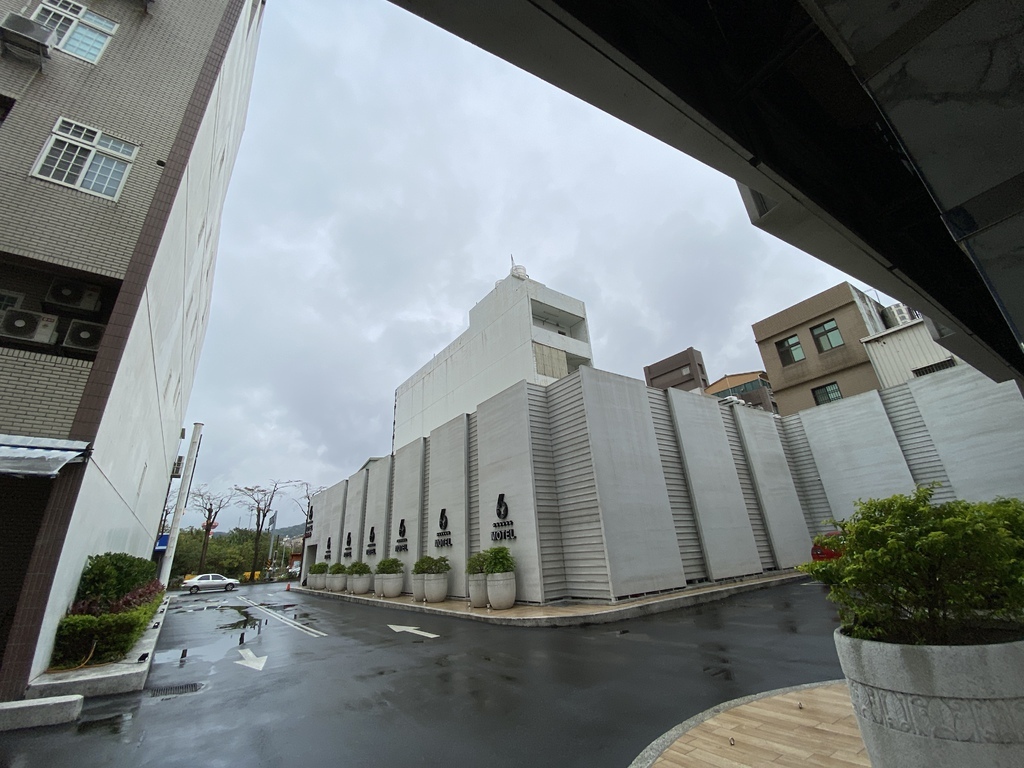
x: 350, y: 549
x: 898, y: 352
x: 448, y: 492
x: 639, y: 536
x: 328, y: 522
x: 978, y: 429
x: 506, y: 468
x: 549, y: 526
x: 725, y: 532
x: 774, y: 486
x: 809, y: 488
x: 407, y: 506
x: 855, y: 451
x: 375, y: 544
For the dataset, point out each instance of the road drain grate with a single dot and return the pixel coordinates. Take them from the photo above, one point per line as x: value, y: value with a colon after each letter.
x: 175, y: 690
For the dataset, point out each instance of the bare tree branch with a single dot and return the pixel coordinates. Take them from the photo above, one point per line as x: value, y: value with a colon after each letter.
x: 209, y: 504
x: 259, y: 500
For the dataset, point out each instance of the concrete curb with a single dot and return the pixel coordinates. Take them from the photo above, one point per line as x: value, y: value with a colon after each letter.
x: 601, y: 614
x: 118, y: 677
x: 657, y: 747
x: 31, y: 714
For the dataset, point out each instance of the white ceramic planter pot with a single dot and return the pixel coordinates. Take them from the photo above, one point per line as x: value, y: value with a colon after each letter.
x: 390, y: 584
x: 478, y: 590
x: 417, y: 587
x: 316, y: 580
x: 501, y: 590
x: 336, y: 582
x: 360, y: 585
x: 937, y: 706
x: 435, y: 587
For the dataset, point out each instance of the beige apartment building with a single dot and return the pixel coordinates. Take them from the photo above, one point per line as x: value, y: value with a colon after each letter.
x: 119, y: 124
x: 812, y: 351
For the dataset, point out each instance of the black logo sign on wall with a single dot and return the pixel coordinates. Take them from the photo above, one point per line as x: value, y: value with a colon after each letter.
x: 444, y: 536
x: 373, y: 535
x: 401, y: 529
x: 348, y: 540
x: 443, y: 520
x: 503, y: 528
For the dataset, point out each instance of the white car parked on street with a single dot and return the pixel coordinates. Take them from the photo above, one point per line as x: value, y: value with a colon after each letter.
x: 209, y: 581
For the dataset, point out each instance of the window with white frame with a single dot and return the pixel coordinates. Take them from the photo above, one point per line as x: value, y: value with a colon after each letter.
x: 77, y: 30
x: 87, y: 159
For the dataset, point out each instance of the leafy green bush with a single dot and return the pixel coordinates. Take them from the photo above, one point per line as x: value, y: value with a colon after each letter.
x: 428, y: 564
x: 477, y: 563
x: 318, y: 568
x: 918, y: 573
x: 109, y: 577
x: 359, y: 568
x: 337, y: 569
x: 114, y: 634
x: 499, y: 560
x: 390, y: 565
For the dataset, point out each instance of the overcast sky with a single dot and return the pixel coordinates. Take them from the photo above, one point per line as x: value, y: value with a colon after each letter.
x: 387, y: 172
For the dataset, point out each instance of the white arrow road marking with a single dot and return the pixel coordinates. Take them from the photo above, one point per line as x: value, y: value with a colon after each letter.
x: 251, y: 660
x: 411, y: 630
x: 285, y: 620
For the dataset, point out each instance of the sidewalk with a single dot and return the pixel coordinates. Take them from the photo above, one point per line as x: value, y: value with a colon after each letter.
x: 571, y: 614
x: 809, y: 725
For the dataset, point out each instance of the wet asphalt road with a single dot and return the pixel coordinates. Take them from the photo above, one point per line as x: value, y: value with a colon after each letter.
x: 338, y: 687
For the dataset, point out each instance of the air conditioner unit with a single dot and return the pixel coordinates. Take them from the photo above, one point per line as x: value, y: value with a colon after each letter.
x: 83, y: 336
x: 35, y: 327
x: 73, y: 295
x: 21, y: 35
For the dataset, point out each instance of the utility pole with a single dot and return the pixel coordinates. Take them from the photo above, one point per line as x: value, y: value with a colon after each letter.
x: 179, y: 508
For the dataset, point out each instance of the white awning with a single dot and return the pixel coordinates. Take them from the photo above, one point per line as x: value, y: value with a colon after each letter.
x: 38, y: 456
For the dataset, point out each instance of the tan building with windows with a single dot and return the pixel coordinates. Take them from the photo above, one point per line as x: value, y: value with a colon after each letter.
x: 812, y: 351
x: 752, y: 387
x: 119, y: 125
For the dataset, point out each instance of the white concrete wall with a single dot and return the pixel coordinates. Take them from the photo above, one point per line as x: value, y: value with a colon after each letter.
x: 407, y: 501
x: 378, y: 489
x: 122, y: 495
x: 898, y: 351
x: 328, y: 523
x: 856, y: 452
x: 492, y: 355
x: 350, y: 548
x: 978, y: 429
x: 776, y: 492
x: 448, y: 491
x: 725, y: 533
x: 636, y: 516
x: 506, y: 467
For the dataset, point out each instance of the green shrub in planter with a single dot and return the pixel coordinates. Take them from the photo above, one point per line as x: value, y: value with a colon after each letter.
x: 337, y: 569
x: 359, y: 568
x: 108, y: 577
x: 114, y: 634
x: 477, y: 563
x: 440, y: 565
x: 390, y: 565
x: 917, y: 573
x: 499, y: 560
x: 423, y: 565
x: 317, y: 568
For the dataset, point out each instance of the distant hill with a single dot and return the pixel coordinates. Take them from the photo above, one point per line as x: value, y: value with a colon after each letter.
x: 291, y: 530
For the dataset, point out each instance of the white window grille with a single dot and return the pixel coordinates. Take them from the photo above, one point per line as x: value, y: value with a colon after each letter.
x: 77, y: 30
x: 87, y: 159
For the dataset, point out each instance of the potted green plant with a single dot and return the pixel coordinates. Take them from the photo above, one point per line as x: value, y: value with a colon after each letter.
x: 359, y: 578
x: 435, y: 580
x: 337, y: 575
x: 419, y: 569
x: 476, y: 572
x: 931, y: 607
x: 501, y: 578
x: 317, y: 577
x: 390, y: 577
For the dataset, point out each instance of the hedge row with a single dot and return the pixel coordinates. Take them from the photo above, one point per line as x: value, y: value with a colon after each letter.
x: 109, y: 577
x: 113, y: 633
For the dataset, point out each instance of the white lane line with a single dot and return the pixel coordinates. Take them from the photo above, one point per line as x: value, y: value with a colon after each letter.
x: 285, y: 620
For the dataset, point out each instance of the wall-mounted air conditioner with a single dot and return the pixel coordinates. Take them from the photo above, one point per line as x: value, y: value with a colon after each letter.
x: 23, y: 37
x: 34, y: 327
x: 83, y: 336
x: 73, y: 296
